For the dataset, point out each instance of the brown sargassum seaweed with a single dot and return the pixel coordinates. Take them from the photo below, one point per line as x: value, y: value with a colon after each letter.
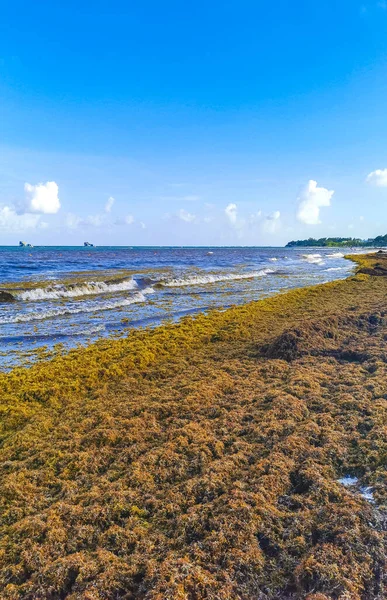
x: 201, y: 460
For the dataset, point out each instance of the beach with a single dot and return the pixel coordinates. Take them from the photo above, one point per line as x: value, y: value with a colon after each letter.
x: 71, y: 296
x: 235, y: 454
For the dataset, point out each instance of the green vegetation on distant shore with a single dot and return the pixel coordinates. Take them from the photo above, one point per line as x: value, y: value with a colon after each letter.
x: 378, y: 242
x: 201, y: 460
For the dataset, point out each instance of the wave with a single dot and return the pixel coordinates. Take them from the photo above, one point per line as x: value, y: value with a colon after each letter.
x: 314, y: 259
x: 60, y: 312
x: 87, y: 288
x: 204, y: 279
x: 336, y: 255
x: 336, y: 269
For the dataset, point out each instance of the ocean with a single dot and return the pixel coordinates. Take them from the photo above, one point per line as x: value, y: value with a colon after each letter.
x: 75, y: 295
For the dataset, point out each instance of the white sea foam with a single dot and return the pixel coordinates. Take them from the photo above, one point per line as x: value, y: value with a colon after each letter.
x: 93, y: 330
x: 87, y: 288
x: 204, y: 279
x: 336, y: 255
x: 314, y: 259
x: 336, y: 269
x: 273, y: 259
x: 73, y: 310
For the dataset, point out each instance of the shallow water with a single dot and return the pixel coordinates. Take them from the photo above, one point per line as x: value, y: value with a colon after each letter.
x: 352, y: 483
x: 76, y: 295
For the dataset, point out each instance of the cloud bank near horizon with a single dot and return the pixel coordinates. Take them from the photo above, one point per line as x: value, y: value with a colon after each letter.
x: 234, y: 221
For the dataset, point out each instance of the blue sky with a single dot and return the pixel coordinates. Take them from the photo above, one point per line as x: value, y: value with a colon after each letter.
x: 170, y: 123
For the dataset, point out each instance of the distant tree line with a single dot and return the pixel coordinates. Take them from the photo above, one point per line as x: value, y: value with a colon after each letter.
x: 380, y: 240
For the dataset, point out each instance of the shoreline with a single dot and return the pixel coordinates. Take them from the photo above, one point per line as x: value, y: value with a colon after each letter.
x: 202, y: 459
x: 72, y: 305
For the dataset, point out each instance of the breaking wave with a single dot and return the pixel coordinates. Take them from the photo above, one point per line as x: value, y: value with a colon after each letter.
x: 85, y: 308
x: 204, y: 279
x: 87, y: 288
x: 314, y: 259
x: 336, y: 255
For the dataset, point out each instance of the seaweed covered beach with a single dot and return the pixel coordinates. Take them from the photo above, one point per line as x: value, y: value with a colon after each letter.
x: 235, y: 455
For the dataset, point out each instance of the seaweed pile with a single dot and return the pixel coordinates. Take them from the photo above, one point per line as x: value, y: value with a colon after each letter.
x: 206, y: 459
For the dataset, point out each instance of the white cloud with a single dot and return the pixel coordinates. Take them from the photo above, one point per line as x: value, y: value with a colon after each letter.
x: 11, y: 221
x: 378, y: 178
x: 73, y: 221
x: 184, y: 215
x: 109, y: 204
x: 126, y: 220
x: 267, y: 223
x: 311, y: 199
x: 231, y: 213
x: 93, y: 220
x: 272, y: 222
x: 255, y: 217
x: 41, y: 198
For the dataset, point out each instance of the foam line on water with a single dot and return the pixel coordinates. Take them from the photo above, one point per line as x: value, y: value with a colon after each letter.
x: 86, y: 288
x: 69, y: 310
x: 205, y: 279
